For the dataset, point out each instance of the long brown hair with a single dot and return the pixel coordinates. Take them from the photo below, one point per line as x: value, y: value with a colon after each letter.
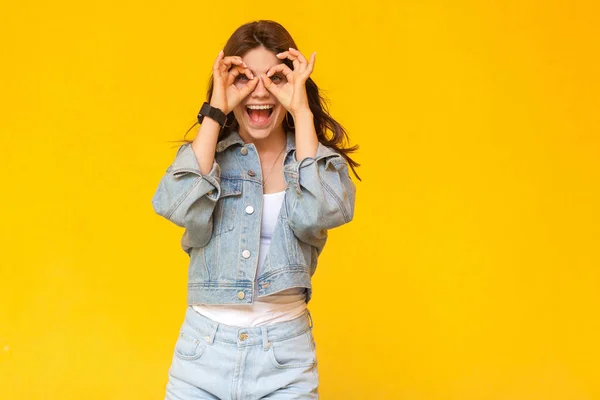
x: 274, y: 37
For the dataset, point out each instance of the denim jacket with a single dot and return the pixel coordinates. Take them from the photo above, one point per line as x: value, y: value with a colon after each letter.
x: 221, y: 213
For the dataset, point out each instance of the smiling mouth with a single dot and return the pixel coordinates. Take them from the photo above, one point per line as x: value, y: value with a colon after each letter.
x: 260, y: 114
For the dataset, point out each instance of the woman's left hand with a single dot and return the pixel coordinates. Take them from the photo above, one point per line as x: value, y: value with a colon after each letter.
x: 291, y: 91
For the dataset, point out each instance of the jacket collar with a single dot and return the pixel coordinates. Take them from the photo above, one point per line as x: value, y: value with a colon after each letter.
x: 234, y: 138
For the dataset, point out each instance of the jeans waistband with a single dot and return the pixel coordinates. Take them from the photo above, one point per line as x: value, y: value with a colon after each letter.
x: 248, y: 336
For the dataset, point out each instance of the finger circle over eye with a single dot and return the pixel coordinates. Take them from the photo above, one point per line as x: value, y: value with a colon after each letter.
x: 279, y: 68
x: 248, y: 73
x: 237, y: 70
x: 248, y: 87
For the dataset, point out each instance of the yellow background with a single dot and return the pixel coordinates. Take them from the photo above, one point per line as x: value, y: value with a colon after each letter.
x: 471, y: 270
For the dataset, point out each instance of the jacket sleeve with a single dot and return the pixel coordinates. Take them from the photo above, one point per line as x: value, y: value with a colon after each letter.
x: 320, y: 197
x: 187, y: 198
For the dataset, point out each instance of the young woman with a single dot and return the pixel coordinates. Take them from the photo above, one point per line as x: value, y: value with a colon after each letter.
x: 256, y: 191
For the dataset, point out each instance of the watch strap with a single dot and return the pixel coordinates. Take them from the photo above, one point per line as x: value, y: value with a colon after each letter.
x: 213, y: 113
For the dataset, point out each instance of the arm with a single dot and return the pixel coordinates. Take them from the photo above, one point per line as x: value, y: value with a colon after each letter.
x: 189, y: 191
x: 321, y: 195
x: 187, y: 197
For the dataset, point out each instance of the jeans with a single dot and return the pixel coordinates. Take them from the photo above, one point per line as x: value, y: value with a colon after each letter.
x: 217, y: 361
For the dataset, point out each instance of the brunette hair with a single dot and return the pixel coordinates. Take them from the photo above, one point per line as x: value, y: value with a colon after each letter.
x: 274, y: 37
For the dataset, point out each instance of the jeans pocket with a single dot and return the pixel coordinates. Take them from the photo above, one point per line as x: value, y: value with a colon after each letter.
x: 190, y: 344
x: 296, y: 352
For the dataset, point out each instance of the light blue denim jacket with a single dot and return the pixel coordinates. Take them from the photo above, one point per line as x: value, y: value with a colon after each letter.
x: 221, y: 213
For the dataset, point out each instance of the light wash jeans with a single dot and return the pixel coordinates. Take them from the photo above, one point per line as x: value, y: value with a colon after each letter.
x: 217, y: 361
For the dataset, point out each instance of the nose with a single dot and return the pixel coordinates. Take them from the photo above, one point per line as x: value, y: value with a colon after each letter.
x: 260, y: 90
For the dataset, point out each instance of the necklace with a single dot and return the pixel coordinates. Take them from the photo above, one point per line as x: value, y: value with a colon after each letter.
x: 273, y: 166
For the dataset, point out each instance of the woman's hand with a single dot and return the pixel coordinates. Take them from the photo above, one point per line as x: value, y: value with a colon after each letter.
x: 226, y: 95
x: 291, y: 93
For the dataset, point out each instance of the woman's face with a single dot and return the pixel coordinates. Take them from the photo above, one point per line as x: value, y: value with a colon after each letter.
x: 256, y: 122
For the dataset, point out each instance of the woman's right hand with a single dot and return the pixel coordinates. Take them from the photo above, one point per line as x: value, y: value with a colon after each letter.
x: 226, y: 94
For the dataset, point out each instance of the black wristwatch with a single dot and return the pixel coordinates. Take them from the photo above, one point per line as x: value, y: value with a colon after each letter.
x: 213, y: 113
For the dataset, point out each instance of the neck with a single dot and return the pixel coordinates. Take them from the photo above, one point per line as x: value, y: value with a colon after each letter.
x: 273, y: 143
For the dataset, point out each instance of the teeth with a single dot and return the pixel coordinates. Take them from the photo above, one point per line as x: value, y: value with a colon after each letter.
x: 260, y: 107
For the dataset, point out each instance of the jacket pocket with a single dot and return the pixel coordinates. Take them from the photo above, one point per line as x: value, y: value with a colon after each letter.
x: 226, y: 210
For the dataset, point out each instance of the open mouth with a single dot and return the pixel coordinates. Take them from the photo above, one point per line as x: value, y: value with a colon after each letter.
x: 259, y: 114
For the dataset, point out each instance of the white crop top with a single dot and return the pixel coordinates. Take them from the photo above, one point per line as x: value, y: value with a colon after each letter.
x: 281, y: 306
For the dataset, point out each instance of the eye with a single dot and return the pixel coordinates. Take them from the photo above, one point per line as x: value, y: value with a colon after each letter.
x: 277, y: 78
x: 241, y: 77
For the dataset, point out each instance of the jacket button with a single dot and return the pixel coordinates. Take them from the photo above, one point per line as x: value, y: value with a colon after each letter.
x: 211, y: 192
x: 241, y: 295
x: 249, y: 210
x: 251, y: 173
x: 244, y: 151
x: 246, y: 254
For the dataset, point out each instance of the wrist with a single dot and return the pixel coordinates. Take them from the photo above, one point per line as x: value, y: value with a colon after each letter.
x: 219, y: 105
x: 212, y: 112
x: 304, y: 113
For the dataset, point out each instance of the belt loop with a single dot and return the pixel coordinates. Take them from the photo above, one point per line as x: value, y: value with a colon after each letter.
x: 265, y: 338
x: 310, y: 321
x: 211, y: 337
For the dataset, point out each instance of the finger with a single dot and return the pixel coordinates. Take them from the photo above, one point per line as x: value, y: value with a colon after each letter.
x: 290, y: 56
x: 271, y: 87
x: 298, y: 54
x: 232, y: 58
x: 217, y: 63
x: 236, y: 60
x: 301, y: 59
x: 284, y: 69
x: 228, y: 61
x: 311, y: 64
x: 285, y: 54
x: 249, y: 87
x: 218, y: 60
x: 237, y: 70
